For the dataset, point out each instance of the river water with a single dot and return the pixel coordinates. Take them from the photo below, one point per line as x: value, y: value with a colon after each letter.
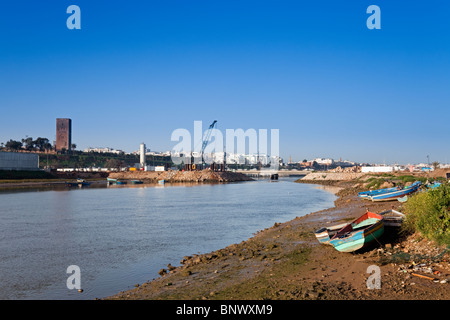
x: 119, y: 236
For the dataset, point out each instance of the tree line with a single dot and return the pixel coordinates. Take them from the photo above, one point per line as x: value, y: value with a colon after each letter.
x: 29, y: 144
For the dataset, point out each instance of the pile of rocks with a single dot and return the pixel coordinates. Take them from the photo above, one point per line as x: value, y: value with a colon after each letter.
x: 346, y: 169
x: 206, y: 175
x: 333, y: 176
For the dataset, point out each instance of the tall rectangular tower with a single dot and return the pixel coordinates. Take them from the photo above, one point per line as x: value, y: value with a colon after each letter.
x: 63, y: 134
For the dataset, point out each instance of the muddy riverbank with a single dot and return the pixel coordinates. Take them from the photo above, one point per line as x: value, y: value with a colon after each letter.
x: 285, y: 261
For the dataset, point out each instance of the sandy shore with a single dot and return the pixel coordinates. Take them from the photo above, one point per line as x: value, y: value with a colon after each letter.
x: 286, y: 262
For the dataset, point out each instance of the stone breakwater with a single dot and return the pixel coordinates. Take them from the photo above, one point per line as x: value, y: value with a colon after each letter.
x: 332, y: 176
x: 206, y: 175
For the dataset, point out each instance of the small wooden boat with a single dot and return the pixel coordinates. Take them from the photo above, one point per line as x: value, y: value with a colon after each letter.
x: 369, y: 193
x: 392, y: 218
x: 121, y: 182
x: 136, y: 182
x: 359, y: 234
x: 399, y: 193
x: 82, y: 182
x: 79, y: 183
x: 110, y: 180
x: 434, y: 185
x: 324, y: 234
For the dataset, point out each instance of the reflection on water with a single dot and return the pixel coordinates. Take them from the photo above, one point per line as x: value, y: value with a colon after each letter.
x: 122, y: 235
x: 332, y: 189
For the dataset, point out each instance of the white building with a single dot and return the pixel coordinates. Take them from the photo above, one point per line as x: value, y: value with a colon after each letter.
x: 104, y: 150
x: 323, y: 161
x: 380, y: 169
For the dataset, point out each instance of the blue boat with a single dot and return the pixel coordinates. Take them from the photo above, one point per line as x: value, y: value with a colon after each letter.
x: 359, y: 234
x: 121, y: 182
x: 110, y: 180
x: 399, y: 193
x: 79, y: 183
x: 434, y: 185
x: 368, y: 194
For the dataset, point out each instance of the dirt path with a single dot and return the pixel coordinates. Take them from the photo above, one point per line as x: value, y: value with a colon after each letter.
x: 286, y: 262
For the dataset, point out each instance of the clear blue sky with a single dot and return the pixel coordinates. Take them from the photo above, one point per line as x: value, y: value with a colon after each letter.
x: 137, y: 70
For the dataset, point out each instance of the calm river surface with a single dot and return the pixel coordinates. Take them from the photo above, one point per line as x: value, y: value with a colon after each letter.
x: 122, y: 235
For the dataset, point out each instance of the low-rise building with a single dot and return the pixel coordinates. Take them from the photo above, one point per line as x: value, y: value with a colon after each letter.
x: 19, y: 161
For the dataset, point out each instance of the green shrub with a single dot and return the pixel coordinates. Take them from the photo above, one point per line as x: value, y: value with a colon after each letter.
x: 429, y: 213
x: 375, y: 183
x: 408, y: 178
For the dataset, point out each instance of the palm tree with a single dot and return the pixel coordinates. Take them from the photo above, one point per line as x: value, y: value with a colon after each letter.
x: 435, y: 165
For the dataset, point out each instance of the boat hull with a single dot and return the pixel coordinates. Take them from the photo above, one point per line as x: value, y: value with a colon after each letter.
x: 396, y: 194
x: 368, y: 194
x: 324, y: 234
x: 359, y: 234
x: 392, y: 218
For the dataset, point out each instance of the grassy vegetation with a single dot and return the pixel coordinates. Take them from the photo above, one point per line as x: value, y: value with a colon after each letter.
x: 78, y: 159
x: 375, y: 182
x: 429, y: 214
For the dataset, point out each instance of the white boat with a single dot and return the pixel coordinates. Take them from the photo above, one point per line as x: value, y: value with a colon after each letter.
x: 324, y: 234
x: 392, y: 218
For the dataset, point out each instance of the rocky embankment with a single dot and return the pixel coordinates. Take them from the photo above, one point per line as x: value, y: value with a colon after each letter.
x: 206, y: 175
x: 331, y: 176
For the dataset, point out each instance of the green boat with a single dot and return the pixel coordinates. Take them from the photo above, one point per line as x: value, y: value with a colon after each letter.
x: 136, y: 182
x: 359, y: 234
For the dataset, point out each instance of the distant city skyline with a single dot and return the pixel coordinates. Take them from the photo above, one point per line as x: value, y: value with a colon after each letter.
x: 136, y: 72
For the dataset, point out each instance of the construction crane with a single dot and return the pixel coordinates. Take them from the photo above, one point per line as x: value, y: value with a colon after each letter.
x: 206, y: 140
